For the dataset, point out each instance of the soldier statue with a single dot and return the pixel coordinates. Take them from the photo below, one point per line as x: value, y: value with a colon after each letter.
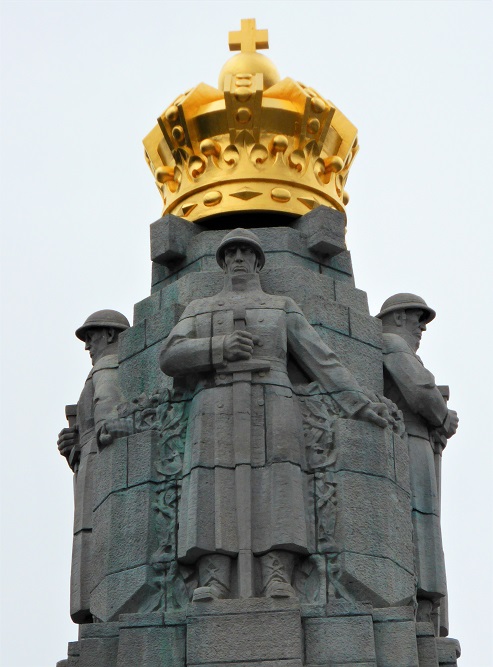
x: 243, y: 504
x: 79, y: 442
x: 427, y: 418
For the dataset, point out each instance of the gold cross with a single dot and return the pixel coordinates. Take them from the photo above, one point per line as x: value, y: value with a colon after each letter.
x: 248, y: 39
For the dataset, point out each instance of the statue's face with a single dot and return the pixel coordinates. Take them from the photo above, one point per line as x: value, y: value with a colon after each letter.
x: 240, y: 258
x: 414, y: 327
x: 97, y: 340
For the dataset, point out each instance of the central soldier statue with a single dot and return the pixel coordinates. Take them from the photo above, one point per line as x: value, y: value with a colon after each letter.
x: 244, y: 467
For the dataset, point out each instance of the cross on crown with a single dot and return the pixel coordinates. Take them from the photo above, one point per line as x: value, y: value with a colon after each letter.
x: 248, y: 39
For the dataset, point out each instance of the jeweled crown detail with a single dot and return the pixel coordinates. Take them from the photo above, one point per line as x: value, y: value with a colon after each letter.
x: 257, y: 143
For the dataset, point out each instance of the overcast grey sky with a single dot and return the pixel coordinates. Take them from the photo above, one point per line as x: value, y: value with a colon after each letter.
x: 81, y: 84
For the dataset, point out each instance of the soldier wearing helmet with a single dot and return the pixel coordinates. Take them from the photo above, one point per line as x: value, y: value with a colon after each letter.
x: 79, y: 442
x: 244, y: 472
x: 412, y: 388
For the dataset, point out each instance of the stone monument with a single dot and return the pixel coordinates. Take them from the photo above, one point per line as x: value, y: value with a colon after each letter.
x: 262, y: 469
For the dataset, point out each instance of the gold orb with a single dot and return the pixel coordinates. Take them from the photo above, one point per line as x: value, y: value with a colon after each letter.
x: 209, y: 147
x: 279, y: 143
x: 250, y: 63
x: 243, y: 115
x: 172, y: 113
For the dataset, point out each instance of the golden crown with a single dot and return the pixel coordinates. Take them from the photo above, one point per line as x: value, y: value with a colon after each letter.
x: 256, y: 143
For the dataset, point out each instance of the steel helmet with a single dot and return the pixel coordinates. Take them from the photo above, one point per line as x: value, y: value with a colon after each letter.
x: 406, y: 301
x: 103, y: 319
x: 240, y: 235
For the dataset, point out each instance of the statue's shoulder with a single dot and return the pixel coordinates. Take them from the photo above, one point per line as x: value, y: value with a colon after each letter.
x: 285, y: 303
x: 108, y: 361
x: 200, y: 306
x: 395, y: 343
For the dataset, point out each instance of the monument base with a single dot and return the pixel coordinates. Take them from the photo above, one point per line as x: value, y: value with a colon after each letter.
x: 264, y: 633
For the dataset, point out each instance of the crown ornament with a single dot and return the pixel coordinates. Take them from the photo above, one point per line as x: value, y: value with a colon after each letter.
x: 255, y: 143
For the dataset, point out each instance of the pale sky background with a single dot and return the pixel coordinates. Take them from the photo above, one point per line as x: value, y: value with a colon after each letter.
x: 81, y: 84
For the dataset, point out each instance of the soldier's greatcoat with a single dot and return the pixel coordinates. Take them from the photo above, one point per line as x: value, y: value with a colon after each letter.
x: 412, y: 388
x: 194, y: 351
x: 98, y: 400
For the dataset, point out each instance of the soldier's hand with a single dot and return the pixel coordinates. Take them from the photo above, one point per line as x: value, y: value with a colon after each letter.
x: 239, y: 345
x: 376, y: 413
x: 451, y: 424
x: 68, y: 438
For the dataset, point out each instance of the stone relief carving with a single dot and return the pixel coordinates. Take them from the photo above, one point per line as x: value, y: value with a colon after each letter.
x: 429, y: 423
x: 319, y: 412
x: 80, y: 441
x: 244, y: 444
x: 166, y: 413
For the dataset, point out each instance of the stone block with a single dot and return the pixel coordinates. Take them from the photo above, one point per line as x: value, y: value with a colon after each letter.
x: 324, y: 229
x: 248, y: 631
x: 340, y: 263
x: 158, y: 326
x: 363, y: 360
x: 346, y: 664
x: 330, y: 641
x: 124, y: 533
x: 191, y: 286
x: 152, y: 647
x: 299, y: 283
x: 427, y: 647
x: 285, y: 239
x: 170, y: 237
x: 160, y: 276
x: 374, y: 519
x: 90, y: 630
x: 278, y: 260
x: 142, y: 457
x: 395, y: 644
x: 147, y: 307
x: 376, y: 580
x: 131, y: 341
x: 242, y: 606
x: 98, y: 651
x: 205, y: 243
x: 124, y: 592
x: 338, y: 276
x: 401, y: 460
x: 273, y: 239
x: 448, y: 651
x: 365, y: 328
x: 328, y: 314
x: 206, y: 263
x: 73, y: 649
x: 364, y: 447
x: 175, y: 617
x: 142, y: 374
x: 147, y: 620
x: 340, y: 607
x: 73, y: 654
x: 393, y: 614
x: 111, y: 470
x: 349, y: 295
x: 264, y: 663
x: 81, y: 576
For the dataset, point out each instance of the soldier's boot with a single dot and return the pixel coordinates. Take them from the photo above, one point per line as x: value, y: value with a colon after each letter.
x: 214, y: 578
x: 277, y: 572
